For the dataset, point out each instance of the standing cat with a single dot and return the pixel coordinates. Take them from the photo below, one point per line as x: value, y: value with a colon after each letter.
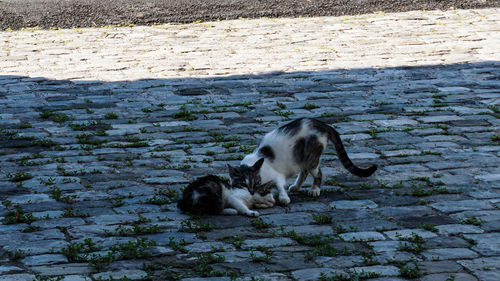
x: 213, y: 195
x: 295, y: 148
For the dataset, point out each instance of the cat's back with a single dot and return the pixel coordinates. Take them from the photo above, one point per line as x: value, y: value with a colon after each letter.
x: 203, y: 196
x: 288, y: 134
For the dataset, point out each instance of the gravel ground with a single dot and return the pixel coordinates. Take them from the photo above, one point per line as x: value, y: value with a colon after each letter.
x: 16, y: 14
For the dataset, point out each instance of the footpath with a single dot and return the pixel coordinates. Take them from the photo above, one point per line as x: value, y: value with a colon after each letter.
x: 101, y: 128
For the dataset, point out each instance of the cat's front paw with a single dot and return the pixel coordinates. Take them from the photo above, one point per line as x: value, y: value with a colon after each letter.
x: 284, y: 199
x: 252, y: 214
x: 314, y: 192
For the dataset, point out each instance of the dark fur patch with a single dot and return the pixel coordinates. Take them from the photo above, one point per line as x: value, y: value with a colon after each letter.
x: 307, y: 152
x: 313, y: 151
x: 292, y: 128
x: 267, y: 152
x: 299, y: 150
x: 209, y: 189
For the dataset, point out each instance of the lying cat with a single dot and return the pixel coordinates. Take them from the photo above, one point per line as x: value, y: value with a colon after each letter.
x: 213, y: 195
x: 295, y: 148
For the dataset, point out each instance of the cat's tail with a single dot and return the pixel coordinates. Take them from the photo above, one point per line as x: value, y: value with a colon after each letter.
x: 334, y: 137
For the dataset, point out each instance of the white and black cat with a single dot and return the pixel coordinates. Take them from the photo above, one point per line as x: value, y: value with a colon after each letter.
x: 213, y: 195
x: 295, y: 148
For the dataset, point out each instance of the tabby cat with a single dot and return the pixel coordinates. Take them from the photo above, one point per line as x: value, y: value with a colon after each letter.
x: 213, y: 195
x: 295, y: 148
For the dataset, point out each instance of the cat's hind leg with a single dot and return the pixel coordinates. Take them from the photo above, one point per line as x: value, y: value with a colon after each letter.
x: 298, y: 182
x: 229, y: 211
x: 318, y: 177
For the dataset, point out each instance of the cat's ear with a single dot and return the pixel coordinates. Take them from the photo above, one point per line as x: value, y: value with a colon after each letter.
x: 232, y: 170
x: 258, y: 164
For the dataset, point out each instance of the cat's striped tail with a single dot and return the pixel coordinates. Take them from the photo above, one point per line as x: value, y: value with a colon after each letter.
x: 334, y: 137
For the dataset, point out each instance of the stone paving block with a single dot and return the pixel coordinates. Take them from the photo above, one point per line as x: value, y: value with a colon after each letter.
x: 267, y: 242
x: 485, y: 216
x: 488, y: 244
x: 207, y: 279
x: 484, y: 194
x: 299, y: 218
x: 5, y: 269
x: 308, y: 230
x: 396, y: 122
x: 362, y: 236
x: 268, y: 276
x: 36, y: 247
x: 314, y: 273
x: 31, y: 198
x: 204, y: 247
x: 488, y: 177
x: 68, y: 269
x: 355, y: 156
x: 452, y: 229
x: 113, y: 219
x: 464, y: 205
x: 440, y: 119
x: 74, y: 278
x: 165, y: 238
x: 353, y: 204
x: 411, y: 168
x: 440, y: 266
x: 405, y: 211
x: 447, y: 242
x: 387, y: 256
x: 385, y: 246
x: 405, y: 233
x: 370, y: 225
x: 483, y: 263
x: 307, y: 206
x: 17, y: 277
x: 449, y: 253
x: 383, y: 270
x: 491, y: 225
x: 339, y: 262
x: 355, y: 137
x: 129, y: 274
x: 402, y: 152
x: 44, y: 259
x: 487, y: 275
x: 388, y: 279
x: 166, y: 180
x: 239, y: 256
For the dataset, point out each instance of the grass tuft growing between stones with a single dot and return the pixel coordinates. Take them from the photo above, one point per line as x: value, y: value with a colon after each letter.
x: 356, y: 276
x: 414, y: 243
x: 471, y: 220
x: 195, y: 226
x: 410, y: 272
x: 322, y: 219
x: 19, y: 176
x: 260, y: 224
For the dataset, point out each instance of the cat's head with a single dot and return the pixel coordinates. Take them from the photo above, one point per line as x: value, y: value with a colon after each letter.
x: 247, y: 177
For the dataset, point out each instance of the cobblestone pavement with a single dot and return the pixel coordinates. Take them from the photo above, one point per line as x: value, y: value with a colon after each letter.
x: 100, y: 129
